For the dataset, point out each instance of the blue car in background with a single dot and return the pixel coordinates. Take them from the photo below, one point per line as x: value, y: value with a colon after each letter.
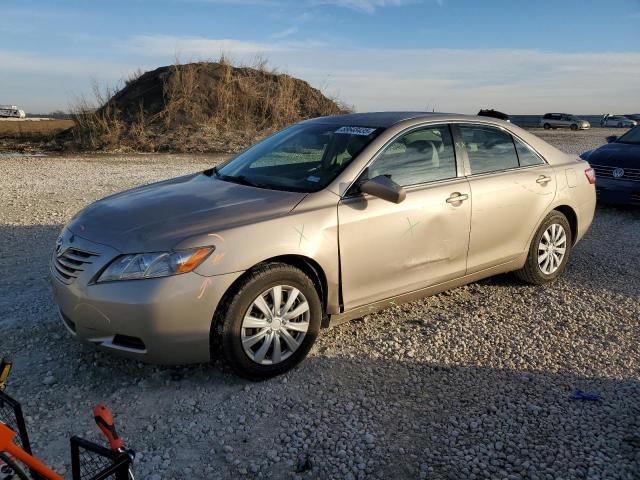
x: 617, y: 167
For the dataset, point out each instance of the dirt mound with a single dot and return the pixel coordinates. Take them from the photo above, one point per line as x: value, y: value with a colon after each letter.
x: 206, y: 106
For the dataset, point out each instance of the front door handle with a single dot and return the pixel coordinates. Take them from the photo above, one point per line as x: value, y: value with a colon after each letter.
x: 543, y: 180
x: 457, y: 197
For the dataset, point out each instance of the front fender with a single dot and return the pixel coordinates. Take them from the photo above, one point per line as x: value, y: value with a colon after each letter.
x: 310, y: 230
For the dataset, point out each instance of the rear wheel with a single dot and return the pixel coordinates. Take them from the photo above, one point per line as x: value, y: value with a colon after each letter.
x: 546, y: 126
x: 269, y: 323
x: 620, y: 125
x: 549, y: 251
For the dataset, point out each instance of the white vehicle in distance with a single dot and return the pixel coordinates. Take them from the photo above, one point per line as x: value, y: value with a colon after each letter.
x: 619, y: 121
x: 563, y: 120
x: 11, y: 111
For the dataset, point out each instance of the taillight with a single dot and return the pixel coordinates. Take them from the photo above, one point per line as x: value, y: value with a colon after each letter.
x: 591, y: 175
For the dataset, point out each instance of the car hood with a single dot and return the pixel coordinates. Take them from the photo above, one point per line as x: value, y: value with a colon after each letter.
x: 616, y: 155
x: 159, y: 216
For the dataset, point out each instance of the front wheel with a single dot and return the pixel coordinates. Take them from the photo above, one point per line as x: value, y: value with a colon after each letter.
x: 547, y: 126
x: 549, y: 251
x: 269, y: 323
x: 574, y: 126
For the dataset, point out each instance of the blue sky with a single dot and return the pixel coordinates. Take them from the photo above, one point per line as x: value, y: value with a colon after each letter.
x: 448, y: 55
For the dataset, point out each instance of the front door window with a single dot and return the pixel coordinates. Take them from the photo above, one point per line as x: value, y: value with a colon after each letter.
x: 420, y: 156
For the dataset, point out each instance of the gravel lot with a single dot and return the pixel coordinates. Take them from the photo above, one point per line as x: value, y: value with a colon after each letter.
x: 473, y: 383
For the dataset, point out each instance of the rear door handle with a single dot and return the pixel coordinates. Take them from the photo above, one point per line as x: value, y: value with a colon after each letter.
x: 543, y: 180
x: 457, y: 197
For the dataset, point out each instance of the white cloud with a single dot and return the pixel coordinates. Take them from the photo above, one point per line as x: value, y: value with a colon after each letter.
x: 366, y: 6
x: 284, y: 33
x: 518, y: 81
x: 262, y: 3
x: 200, y: 47
x: 15, y: 63
x: 515, y: 81
x: 41, y: 84
x: 162, y: 45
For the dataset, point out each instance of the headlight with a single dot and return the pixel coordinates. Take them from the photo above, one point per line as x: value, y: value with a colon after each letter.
x: 154, y: 265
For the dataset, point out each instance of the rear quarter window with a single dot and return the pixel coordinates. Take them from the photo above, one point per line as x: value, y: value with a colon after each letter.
x: 526, y: 156
x: 489, y: 149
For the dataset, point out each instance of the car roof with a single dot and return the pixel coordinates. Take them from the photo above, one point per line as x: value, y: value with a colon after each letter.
x: 386, y: 119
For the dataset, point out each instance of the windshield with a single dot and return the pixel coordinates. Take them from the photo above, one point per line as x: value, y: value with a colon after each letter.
x: 301, y: 158
x: 632, y: 136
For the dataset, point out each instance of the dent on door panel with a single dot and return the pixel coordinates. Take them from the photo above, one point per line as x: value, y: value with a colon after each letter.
x: 389, y: 249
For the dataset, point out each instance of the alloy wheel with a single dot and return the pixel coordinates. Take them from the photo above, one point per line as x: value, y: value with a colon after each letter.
x: 552, y: 248
x: 275, y: 325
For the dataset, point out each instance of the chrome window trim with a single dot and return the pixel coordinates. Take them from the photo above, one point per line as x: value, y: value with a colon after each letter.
x: 506, y: 170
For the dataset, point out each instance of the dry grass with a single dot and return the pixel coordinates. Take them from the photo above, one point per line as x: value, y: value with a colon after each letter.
x: 97, y: 123
x: 33, y: 128
x: 203, y: 106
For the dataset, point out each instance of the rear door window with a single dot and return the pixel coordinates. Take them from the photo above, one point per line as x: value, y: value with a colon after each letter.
x: 489, y: 149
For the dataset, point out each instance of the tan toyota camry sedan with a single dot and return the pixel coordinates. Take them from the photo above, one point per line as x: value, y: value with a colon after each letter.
x: 320, y: 223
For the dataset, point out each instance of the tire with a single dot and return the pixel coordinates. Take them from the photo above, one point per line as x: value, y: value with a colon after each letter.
x: 533, y: 271
x: 546, y: 126
x: 620, y: 125
x: 13, y: 465
x: 574, y: 126
x: 230, y: 322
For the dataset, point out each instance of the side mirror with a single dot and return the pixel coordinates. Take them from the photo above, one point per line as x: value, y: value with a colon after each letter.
x: 612, y: 138
x: 385, y: 188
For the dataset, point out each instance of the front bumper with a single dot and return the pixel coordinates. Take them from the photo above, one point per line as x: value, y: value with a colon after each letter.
x: 617, y: 191
x: 162, y: 320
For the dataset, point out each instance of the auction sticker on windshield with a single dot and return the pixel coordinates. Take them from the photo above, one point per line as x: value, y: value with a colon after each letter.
x: 356, y: 130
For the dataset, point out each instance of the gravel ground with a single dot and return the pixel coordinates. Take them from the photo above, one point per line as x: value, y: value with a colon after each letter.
x: 472, y: 383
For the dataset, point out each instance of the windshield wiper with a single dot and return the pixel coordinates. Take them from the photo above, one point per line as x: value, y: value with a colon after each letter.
x: 240, y: 179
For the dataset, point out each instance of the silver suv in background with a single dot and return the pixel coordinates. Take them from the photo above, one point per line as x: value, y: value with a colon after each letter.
x: 563, y: 120
x: 619, y: 121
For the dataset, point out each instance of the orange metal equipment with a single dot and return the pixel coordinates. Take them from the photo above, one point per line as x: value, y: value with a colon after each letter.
x: 7, y: 445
